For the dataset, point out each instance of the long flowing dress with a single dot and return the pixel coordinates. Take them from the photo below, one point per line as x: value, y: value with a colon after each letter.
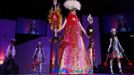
x: 73, y: 57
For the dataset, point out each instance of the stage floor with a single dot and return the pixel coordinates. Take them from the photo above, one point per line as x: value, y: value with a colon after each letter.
x: 76, y: 74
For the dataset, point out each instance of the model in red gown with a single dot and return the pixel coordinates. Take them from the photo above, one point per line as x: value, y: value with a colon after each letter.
x: 73, y: 57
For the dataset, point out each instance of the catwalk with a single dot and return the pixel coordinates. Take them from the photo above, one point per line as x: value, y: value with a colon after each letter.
x: 78, y: 74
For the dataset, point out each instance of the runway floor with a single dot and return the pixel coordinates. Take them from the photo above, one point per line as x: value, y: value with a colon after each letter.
x: 75, y: 74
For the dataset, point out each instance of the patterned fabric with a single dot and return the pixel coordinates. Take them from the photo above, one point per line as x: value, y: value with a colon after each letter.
x: 115, y: 54
x: 73, y: 57
x: 39, y: 56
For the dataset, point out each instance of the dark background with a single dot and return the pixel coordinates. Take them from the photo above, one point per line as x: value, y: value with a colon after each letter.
x: 38, y: 9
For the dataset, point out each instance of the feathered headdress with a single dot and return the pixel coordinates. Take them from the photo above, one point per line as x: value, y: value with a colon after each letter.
x: 72, y: 4
x: 55, y: 17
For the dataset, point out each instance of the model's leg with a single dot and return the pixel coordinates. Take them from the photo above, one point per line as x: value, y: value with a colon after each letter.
x: 119, y: 65
x: 111, y: 66
x: 40, y: 68
x: 34, y: 68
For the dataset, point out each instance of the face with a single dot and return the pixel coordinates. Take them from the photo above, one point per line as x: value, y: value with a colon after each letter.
x: 73, y: 12
x: 39, y: 44
x: 113, y: 32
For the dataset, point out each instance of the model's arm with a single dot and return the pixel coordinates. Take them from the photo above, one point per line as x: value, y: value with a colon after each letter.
x: 34, y: 53
x: 83, y: 30
x: 62, y: 27
x: 109, y: 45
x: 44, y: 56
x: 7, y: 51
x: 14, y: 52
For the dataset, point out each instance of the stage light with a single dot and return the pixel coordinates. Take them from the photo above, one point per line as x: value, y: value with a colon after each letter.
x: 2, y: 56
x: 1, y: 61
x: 131, y: 35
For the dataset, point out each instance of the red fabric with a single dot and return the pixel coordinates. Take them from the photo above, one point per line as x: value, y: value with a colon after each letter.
x: 70, y: 21
x: 72, y: 53
x: 114, y: 54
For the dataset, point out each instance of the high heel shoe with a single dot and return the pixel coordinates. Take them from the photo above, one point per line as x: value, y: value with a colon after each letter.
x: 112, y: 72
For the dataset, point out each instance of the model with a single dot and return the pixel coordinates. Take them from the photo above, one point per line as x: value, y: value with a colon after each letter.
x: 73, y: 57
x: 11, y: 52
x: 122, y: 24
x: 115, y: 50
x: 9, y: 65
x: 38, y: 58
x: 33, y: 28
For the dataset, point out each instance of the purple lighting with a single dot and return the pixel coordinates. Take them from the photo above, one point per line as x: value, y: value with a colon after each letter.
x: 7, y: 32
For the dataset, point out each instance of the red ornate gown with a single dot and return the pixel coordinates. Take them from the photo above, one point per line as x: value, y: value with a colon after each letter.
x: 73, y: 57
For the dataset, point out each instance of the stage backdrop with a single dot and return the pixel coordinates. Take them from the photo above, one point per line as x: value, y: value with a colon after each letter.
x: 7, y: 32
x: 25, y: 53
x: 28, y: 26
x: 110, y: 21
x: 96, y: 37
x: 26, y: 50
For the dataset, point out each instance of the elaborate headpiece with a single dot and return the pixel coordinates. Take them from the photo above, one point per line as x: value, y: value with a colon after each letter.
x: 72, y: 4
x: 55, y: 17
